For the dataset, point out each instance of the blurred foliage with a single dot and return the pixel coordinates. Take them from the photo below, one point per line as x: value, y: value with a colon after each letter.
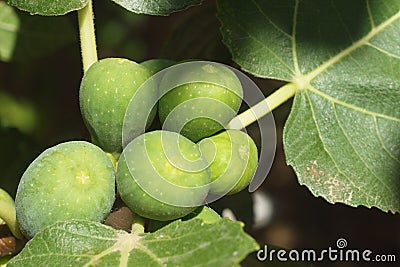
x: 9, y: 25
x: 184, y: 42
x: 21, y: 114
x: 38, y: 36
x: 117, y: 32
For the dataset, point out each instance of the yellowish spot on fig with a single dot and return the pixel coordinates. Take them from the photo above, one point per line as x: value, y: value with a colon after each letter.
x: 82, y: 177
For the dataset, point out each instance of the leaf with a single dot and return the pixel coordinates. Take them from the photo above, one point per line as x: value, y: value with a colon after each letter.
x: 343, y: 57
x: 190, y: 243
x: 156, y: 7
x: 48, y: 7
x: 9, y: 25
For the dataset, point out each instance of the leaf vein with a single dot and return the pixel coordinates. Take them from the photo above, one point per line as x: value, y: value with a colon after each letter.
x: 156, y: 259
x: 382, y: 143
x: 264, y: 46
x: 269, y: 20
x: 350, y: 106
x: 294, y: 43
x: 358, y: 154
x: 356, y: 45
x: 371, y: 18
x: 341, y: 21
x: 304, y: 148
x: 326, y: 150
x: 383, y: 51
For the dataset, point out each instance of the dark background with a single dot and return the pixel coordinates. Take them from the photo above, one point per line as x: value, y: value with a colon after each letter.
x: 43, y: 79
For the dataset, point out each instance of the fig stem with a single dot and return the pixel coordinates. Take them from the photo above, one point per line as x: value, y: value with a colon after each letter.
x: 138, y: 225
x: 8, y: 213
x: 262, y: 108
x: 87, y: 36
x: 113, y: 159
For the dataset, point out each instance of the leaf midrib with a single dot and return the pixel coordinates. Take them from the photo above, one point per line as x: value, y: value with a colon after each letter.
x: 350, y: 106
x: 307, y: 78
x: 350, y: 181
x: 303, y: 81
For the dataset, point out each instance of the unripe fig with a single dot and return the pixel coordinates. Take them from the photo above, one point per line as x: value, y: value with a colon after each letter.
x: 72, y: 180
x: 233, y: 160
x: 105, y: 93
x: 204, y: 98
x: 162, y: 176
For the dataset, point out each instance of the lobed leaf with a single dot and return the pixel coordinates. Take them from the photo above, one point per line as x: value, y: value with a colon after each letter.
x: 48, y: 7
x: 343, y: 134
x: 189, y: 243
x: 156, y: 7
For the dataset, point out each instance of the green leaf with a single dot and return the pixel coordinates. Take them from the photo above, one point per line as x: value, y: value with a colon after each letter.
x: 190, y: 243
x: 156, y: 7
x: 343, y: 57
x: 48, y: 7
x: 9, y: 24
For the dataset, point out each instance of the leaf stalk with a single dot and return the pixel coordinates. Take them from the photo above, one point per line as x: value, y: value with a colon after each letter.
x: 264, y: 107
x: 87, y: 36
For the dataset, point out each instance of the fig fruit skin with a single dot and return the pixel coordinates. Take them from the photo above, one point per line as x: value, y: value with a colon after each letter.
x: 72, y: 180
x: 233, y: 159
x: 144, y: 163
x: 105, y: 93
x: 206, y: 98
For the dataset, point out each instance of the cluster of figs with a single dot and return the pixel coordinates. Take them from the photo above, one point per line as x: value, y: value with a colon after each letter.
x: 162, y: 170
